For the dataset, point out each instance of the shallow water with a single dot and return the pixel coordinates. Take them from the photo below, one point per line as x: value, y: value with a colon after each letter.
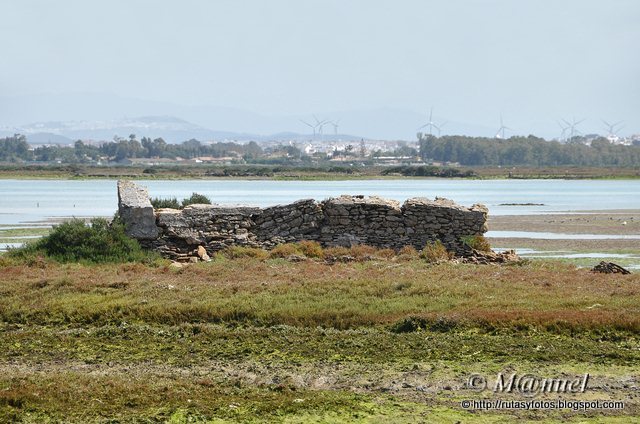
x: 5, y: 246
x: 559, y: 236
x: 29, y: 201
x: 593, y: 255
x: 630, y: 261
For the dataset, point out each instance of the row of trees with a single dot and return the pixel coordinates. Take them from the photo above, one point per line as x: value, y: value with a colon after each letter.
x: 469, y: 151
x: 16, y: 148
x: 530, y: 151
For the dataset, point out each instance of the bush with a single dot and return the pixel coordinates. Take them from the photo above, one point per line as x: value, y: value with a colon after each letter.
x: 409, y: 324
x: 311, y: 249
x: 75, y: 241
x: 477, y: 242
x: 412, y: 324
x: 196, y: 199
x: 158, y: 203
x: 362, y: 251
x: 435, y: 252
x: 285, y: 250
x: 408, y: 253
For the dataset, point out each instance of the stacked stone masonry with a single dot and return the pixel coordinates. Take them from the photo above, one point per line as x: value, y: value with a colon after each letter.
x: 340, y: 221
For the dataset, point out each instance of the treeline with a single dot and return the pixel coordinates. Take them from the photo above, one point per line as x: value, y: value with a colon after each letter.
x: 531, y: 151
x: 16, y: 148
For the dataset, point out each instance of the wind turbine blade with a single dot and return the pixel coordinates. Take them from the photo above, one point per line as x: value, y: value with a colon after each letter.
x: 425, y: 125
x: 566, y: 122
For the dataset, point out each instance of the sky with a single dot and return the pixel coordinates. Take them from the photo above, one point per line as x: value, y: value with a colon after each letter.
x: 533, y: 61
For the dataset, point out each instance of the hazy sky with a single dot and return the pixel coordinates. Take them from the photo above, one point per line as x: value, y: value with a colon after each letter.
x: 532, y: 60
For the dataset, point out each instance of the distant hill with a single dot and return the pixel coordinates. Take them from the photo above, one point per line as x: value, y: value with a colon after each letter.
x: 381, y: 123
x: 171, y: 129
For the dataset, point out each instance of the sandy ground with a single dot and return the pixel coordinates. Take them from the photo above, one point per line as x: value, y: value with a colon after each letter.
x: 603, y: 222
x: 617, y: 222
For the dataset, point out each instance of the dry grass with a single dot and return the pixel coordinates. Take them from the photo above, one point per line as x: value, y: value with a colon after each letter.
x: 435, y: 252
x: 311, y: 249
x: 235, y: 252
x: 285, y: 250
x: 408, y: 253
x: 337, y: 251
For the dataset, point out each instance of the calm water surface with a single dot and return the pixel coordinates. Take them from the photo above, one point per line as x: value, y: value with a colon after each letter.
x: 29, y: 201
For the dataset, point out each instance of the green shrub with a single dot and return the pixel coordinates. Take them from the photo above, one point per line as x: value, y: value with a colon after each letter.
x: 158, y: 203
x: 477, y: 242
x: 409, y: 324
x: 196, y: 199
x: 412, y: 324
x: 435, y: 252
x: 75, y: 241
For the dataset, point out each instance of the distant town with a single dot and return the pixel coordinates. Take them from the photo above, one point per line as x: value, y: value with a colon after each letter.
x: 154, y: 141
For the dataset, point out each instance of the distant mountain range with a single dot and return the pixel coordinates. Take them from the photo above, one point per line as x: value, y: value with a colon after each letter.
x: 171, y: 129
x: 99, y: 116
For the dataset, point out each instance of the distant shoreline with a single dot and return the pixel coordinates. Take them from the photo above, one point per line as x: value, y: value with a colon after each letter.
x: 289, y: 173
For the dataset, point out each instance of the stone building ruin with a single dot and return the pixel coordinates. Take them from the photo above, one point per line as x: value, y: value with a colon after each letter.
x: 339, y: 221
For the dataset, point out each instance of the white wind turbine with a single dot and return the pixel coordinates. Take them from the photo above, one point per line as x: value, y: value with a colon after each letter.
x: 564, y: 129
x: 500, y: 133
x: 320, y: 125
x: 573, y: 131
x: 612, y: 131
x: 313, y: 128
x: 440, y: 127
x: 335, y: 125
x: 430, y: 124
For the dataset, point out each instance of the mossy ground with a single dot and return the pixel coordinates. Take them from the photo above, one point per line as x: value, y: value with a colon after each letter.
x: 258, y: 339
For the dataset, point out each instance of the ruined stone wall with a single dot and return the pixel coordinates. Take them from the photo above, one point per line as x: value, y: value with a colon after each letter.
x: 340, y: 221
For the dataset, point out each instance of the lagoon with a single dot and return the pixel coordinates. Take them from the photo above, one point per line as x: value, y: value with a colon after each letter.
x: 35, y: 201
